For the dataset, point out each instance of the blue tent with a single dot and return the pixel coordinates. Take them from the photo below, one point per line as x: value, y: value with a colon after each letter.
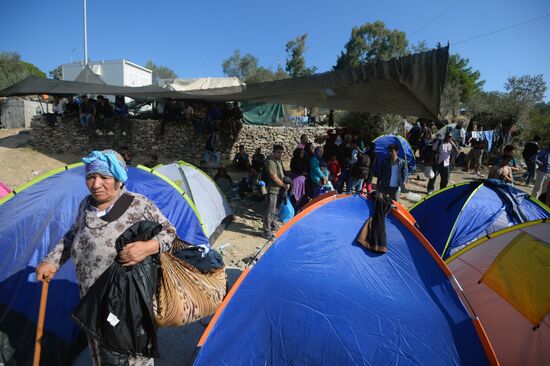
x: 405, y: 151
x: 318, y: 298
x: 34, y: 218
x: 460, y: 214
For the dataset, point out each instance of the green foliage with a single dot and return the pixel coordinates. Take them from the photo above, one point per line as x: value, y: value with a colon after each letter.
x: 369, y: 125
x: 526, y: 89
x: 56, y: 73
x: 515, y: 106
x: 295, y: 62
x: 372, y: 42
x: 160, y: 72
x: 247, y: 68
x: 450, y: 99
x: 421, y: 46
x: 538, y: 122
x: 460, y: 74
x: 13, y: 70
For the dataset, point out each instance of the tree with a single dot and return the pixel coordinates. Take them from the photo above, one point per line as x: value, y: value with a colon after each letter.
x: 247, y: 68
x: 515, y: 106
x: 295, y: 62
x: 372, y: 42
x: 461, y: 74
x: 370, y: 125
x: 450, y: 99
x: 421, y: 46
x: 56, y: 73
x: 461, y: 85
x: 13, y: 70
x: 526, y: 89
x: 539, y: 122
x: 160, y: 72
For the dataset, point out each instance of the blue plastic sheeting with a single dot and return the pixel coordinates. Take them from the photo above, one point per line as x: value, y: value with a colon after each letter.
x: 405, y: 152
x: 483, y: 212
x: 35, y: 219
x: 318, y: 298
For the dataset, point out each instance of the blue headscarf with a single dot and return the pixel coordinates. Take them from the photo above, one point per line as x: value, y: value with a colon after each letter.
x: 106, y: 162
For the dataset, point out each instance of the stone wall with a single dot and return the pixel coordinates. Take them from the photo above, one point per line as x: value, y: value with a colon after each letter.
x: 179, y: 141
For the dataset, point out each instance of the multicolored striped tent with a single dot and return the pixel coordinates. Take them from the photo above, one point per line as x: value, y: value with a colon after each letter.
x: 506, y: 277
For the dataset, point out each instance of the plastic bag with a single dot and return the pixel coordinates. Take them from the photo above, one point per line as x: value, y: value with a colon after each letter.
x: 429, y: 172
x: 286, y: 212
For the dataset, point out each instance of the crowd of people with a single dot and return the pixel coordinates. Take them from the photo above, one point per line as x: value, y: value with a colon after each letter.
x: 206, y: 118
x: 103, y: 117
x: 442, y: 154
x: 344, y: 163
x: 92, y: 113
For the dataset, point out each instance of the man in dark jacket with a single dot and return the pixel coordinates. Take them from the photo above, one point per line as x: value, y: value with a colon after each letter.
x: 393, y: 174
x: 529, y: 153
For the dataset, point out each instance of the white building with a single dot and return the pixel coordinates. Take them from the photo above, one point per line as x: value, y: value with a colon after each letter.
x: 115, y: 72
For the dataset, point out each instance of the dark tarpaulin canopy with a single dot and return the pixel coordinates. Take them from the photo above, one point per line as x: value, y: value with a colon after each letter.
x: 410, y: 85
x: 88, y: 76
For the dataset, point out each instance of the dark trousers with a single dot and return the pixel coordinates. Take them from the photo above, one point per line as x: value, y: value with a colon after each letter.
x: 530, y: 174
x: 445, y: 172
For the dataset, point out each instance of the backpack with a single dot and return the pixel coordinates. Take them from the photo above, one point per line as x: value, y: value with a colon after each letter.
x: 264, y: 176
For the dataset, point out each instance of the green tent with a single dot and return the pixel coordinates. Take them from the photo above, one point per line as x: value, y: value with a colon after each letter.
x: 261, y: 113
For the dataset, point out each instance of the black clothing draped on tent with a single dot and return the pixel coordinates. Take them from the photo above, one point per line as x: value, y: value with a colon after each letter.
x: 410, y: 85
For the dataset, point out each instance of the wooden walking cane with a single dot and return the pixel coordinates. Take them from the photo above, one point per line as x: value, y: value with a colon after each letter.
x: 40, y: 324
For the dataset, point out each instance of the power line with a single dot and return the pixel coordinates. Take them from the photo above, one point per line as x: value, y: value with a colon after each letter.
x: 501, y: 29
x: 436, y: 17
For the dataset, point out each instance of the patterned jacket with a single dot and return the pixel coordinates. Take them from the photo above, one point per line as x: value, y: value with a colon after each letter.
x: 91, y: 239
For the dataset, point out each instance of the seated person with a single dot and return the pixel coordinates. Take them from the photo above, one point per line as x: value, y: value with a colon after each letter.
x: 249, y: 183
x: 104, y: 115
x: 87, y: 112
x: 120, y: 114
x: 126, y: 155
x: 57, y: 110
x: 241, y: 160
x: 71, y: 107
x: 223, y: 180
x: 188, y: 113
x: 258, y: 159
x: 502, y: 171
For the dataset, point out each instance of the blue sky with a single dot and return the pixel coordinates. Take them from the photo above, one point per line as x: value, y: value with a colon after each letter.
x: 193, y: 37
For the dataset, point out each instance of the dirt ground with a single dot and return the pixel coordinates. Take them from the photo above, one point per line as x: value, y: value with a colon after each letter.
x: 19, y: 163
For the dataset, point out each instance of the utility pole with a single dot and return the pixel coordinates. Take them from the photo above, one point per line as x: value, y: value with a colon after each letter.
x: 85, y: 37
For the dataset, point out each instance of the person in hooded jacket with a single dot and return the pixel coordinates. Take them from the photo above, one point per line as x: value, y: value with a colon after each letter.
x: 91, y: 239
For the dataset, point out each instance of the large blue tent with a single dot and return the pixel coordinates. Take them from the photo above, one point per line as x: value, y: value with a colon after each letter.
x: 460, y: 214
x: 405, y: 151
x: 318, y: 298
x: 34, y: 218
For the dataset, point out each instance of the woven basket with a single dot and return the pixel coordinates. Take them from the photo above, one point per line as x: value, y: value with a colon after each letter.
x: 185, y: 294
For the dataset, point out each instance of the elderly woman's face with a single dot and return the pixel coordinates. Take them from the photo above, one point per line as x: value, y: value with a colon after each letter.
x: 102, y: 188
